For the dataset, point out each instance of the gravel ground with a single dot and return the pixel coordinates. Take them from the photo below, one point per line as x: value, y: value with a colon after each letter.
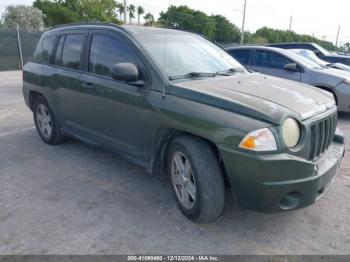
x: 76, y: 199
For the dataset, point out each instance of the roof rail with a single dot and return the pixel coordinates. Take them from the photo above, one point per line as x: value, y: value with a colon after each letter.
x: 83, y: 23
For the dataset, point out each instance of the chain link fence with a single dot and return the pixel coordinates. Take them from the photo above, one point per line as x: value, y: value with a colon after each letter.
x: 10, y: 55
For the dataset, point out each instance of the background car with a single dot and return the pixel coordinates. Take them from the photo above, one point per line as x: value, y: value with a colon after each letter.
x: 311, y: 56
x: 286, y: 64
x: 317, y: 49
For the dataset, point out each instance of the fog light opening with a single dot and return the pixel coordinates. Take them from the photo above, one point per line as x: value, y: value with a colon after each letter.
x: 290, y: 201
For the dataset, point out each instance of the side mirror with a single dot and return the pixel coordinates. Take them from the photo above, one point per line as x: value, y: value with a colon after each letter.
x: 126, y: 72
x: 317, y: 52
x: 291, y: 67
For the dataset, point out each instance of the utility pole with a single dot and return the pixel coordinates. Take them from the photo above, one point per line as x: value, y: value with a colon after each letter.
x: 336, y: 41
x: 242, y: 33
x: 290, y: 23
x: 125, y: 13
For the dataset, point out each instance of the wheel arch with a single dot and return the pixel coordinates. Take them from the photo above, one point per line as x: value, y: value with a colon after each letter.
x: 164, y: 138
x: 32, y: 96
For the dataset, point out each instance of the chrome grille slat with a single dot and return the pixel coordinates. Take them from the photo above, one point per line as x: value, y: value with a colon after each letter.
x: 319, y: 141
x: 328, y: 132
x: 322, y: 134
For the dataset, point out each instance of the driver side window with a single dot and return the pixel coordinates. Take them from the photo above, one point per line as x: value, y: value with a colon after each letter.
x: 270, y: 59
x: 105, y: 51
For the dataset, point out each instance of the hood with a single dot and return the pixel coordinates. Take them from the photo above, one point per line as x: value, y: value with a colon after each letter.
x: 343, y: 57
x: 341, y: 66
x: 257, y: 95
x: 341, y: 75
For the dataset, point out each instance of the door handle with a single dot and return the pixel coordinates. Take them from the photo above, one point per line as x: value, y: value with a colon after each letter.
x: 87, y: 85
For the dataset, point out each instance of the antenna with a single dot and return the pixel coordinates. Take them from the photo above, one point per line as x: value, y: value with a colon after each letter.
x: 165, y: 43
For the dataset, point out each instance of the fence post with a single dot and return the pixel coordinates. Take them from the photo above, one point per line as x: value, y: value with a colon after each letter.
x: 19, y: 47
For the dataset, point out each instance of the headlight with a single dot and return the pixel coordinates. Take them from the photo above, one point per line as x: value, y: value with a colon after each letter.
x: 259, y: 140
x: 290, y: 132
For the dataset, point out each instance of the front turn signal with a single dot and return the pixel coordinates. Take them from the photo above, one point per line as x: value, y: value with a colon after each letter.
x: 259, y: 140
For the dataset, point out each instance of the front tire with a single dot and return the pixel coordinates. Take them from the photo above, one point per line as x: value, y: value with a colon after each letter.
x: 45, y: 122
x: 196, y: 179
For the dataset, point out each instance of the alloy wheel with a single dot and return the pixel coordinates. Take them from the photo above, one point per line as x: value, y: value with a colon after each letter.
x: 183, y: 180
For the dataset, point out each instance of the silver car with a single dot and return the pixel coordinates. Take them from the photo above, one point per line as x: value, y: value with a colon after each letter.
x: 286, y: 64
x: 311, y: 56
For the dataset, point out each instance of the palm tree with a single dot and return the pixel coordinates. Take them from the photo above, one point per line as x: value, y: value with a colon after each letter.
x: 120, y: 8
x: 149, y: 18
x: 140, y: 11
x: 131, y: 9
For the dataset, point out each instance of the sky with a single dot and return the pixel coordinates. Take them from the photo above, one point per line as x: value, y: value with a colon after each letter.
x: 313, y: 17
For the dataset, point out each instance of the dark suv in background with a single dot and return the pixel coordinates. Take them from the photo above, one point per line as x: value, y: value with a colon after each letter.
x: 175, y: 103
x: 317, y: 49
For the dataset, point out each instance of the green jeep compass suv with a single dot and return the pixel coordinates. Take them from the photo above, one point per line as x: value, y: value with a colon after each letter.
x: 175, y: 103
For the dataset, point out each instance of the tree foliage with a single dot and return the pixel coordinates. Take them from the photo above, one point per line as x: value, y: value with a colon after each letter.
x: 120, y: 9
x: 140, y: 11
x: 220, y: 29
x: 283, y: 36
x: 225, y: 31
x: 69, y: 11
x: 149, y: 19
x: 131, y: 10
x: 185, y: 18
x: 26, y: 17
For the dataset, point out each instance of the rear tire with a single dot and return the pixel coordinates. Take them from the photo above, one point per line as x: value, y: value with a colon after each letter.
x: 45, y: 122
x: 196, y: 179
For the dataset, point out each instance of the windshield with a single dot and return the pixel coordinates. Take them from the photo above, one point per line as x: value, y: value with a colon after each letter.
x: 321, y: 49
x: 180, y: 54
x: 304, y: 61
x: 310, y: 55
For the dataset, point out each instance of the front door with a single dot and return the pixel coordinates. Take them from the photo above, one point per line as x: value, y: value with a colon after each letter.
x: 272, y: 63
x: 116, y: 109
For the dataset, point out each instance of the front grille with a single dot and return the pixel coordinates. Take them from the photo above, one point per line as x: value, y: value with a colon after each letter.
x: 322, y: 134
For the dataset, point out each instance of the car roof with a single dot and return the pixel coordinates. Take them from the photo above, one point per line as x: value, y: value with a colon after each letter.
x: 268, y: 48
x: 291, y: 43
x: 130, y: 29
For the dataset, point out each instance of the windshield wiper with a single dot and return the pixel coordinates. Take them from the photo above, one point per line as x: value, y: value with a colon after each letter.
x: 193, y: 74
x: 227, y: 72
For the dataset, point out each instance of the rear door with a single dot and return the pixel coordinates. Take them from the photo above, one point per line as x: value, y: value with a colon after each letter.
x: 66, y: 84
x: 272, y: 63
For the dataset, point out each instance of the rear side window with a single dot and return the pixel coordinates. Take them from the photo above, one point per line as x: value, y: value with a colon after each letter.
x: 71, y: 52
x: 106, y: 51
x: 242, y: 55
x: 270, y: 59
x: 43, y: 52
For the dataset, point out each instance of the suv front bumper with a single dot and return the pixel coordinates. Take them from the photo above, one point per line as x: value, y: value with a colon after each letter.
x: 279, y: 182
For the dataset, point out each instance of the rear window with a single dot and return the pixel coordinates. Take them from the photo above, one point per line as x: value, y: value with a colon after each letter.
x: 43, y: 52
x: 242, y: 55
x: 71, y: 52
